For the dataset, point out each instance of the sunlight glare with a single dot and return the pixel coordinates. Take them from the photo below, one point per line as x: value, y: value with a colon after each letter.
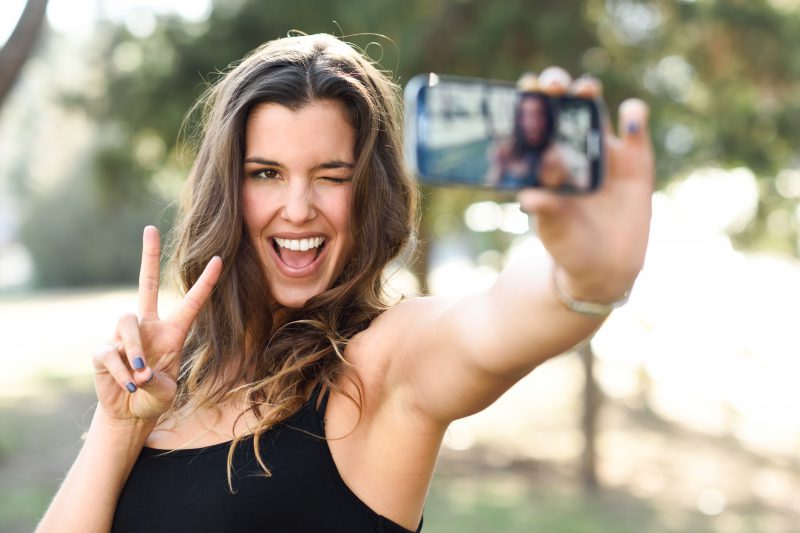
x: 710, y: 331
x: 718, y: 199
x: 76, y: 18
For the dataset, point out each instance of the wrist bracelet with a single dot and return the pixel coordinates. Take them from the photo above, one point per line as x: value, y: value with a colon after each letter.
x: 593, y: 309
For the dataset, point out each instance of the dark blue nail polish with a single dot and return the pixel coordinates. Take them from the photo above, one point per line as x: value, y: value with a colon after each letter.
x: 138, y: 363
x: 131, y: 386
x: 633, y: 128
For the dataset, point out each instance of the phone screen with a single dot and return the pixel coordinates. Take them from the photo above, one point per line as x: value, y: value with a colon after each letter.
x: 464, y: 131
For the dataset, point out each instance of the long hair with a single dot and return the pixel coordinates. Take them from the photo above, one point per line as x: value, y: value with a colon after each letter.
x: 238, y: 345
x: 521, y: 146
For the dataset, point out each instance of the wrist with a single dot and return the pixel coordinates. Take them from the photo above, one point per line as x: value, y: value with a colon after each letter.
x: 131, y: 430
x: 597, y: 298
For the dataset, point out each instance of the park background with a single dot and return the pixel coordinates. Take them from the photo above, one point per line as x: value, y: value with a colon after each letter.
x: 681, y: 415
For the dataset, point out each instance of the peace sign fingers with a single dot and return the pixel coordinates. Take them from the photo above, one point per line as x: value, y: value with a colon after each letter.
x: 149, y: 274
x: 190, y: 306
x: 135, y: 376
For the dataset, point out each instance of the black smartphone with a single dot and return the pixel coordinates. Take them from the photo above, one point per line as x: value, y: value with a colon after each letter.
x: 485, y: 133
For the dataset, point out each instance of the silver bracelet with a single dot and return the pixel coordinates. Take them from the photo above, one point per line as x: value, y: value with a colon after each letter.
x: 593, y: 309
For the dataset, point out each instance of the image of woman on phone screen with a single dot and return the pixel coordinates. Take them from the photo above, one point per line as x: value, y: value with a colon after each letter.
x: 537, y: 154
x: 515, y: 162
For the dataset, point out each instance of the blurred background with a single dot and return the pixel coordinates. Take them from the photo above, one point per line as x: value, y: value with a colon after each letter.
x: 681, y: 415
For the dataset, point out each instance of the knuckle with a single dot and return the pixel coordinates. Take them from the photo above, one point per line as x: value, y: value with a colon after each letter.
x: 149, y: 283
x: 103, y: 352
x: 192, y: 302
x: 133, y: 347
x: 126, y: 319
x: 119, y: 373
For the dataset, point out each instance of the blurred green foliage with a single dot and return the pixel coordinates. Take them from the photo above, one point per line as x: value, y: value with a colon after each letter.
x: 78, y: 240
x: 722, y: 76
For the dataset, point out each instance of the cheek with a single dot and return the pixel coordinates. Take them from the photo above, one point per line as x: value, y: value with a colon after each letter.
x: 344, y: 217
x: 337, y: 210
x: 251, y: 210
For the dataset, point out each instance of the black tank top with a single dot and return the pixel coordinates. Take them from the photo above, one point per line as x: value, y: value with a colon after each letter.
x: 187, y: 490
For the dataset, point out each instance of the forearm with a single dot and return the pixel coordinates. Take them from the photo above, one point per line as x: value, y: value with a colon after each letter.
x: 88, y: 496
x: 537, y: 321
x: 520, y: 322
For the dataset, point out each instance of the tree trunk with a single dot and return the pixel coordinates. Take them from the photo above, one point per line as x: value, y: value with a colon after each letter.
x: 592, y: 398
x: 20, y: 45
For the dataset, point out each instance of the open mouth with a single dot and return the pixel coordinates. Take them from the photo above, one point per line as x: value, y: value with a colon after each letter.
x: 298, y: 253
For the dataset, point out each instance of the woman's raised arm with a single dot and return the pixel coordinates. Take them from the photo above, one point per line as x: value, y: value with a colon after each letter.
x: 135, y: 380
x: 453, y: 358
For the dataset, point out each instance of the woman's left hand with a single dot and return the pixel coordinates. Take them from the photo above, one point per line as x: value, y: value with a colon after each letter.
x: 598, y: 240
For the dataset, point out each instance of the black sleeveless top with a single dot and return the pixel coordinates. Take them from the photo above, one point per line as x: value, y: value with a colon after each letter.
x: 187, y: 490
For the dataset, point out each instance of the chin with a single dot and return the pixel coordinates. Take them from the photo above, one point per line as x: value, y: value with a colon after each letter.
x: 293, y: 299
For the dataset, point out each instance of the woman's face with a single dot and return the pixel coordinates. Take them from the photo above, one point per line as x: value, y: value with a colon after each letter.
x: 533, y: 120
x: 297, y: 190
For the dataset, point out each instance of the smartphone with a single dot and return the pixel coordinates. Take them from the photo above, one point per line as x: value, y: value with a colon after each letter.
x: 485, y: 133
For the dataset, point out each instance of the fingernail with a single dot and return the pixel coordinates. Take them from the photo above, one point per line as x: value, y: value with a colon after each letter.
x: 152, y: 375
x: 131, y: 386
x: 138, y: 363
x: 633, y: 128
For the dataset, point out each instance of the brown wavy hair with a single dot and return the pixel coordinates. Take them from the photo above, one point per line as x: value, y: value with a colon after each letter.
x: 239, y: 343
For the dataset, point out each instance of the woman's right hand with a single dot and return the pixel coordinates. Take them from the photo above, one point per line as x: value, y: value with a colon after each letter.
x: 136, y: 372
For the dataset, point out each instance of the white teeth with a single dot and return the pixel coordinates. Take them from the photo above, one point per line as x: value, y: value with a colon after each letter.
x: 302, y: 245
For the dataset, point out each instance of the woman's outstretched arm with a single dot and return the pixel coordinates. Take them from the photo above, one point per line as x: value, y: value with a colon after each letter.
x: 135, y: 381
x: 452, y: 358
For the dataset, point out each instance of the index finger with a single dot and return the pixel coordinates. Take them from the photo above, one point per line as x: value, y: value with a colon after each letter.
x: 150, y: 272
x: 191, y: 304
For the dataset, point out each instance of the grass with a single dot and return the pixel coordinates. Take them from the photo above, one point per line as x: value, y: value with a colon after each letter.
x: 510, y: 503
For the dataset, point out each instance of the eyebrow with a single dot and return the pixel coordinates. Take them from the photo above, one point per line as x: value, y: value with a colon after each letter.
x: 327, y: 165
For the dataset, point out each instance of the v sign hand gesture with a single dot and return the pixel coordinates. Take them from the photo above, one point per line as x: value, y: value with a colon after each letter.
x: 135, y: 378
x: 136, y: 373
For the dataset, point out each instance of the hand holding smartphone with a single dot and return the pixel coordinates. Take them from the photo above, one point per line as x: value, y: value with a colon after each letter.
x: 475, y: 132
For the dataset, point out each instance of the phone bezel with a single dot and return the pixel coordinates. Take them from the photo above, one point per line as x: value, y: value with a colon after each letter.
x: 415, y: 91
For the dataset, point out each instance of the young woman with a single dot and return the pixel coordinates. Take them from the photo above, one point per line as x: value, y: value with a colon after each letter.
x: 284, y: 393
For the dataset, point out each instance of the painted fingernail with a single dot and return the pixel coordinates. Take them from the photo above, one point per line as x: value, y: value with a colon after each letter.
x: 131, y: 386
x: 138, y: 363
x: 633, y: 128
x: 152, y: 375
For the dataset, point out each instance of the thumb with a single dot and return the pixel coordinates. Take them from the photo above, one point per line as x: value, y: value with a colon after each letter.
x: 156, y: 395
x: 633, y: 116
x: 632, y: 157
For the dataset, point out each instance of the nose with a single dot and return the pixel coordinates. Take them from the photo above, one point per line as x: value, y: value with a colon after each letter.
x: 298, y: 207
